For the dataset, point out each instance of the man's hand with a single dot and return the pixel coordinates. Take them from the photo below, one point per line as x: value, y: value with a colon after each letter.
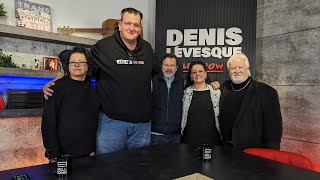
x: 46, y: 89
x: 215, y: 85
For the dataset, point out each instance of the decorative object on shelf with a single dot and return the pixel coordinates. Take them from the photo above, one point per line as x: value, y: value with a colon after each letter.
x: 36, y: 64
x: 3, y: 12
x: 33, y: 15
x: 23, y: 66
x: 50, y: 63
x: 6, y: 60
x: 107, y: 29
x: 2, y: 105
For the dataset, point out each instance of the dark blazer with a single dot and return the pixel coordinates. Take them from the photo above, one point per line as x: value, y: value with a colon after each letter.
x: 259, y: 122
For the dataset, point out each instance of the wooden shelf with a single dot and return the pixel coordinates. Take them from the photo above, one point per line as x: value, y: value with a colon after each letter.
x: 43, y: 36
x: 28, y: 72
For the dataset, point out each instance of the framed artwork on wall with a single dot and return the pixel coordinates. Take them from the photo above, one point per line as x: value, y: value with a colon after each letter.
x: 33, y: 15
x: 50, y: 63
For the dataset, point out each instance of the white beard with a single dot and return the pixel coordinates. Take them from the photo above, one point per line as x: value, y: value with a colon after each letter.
x: 238, y: 79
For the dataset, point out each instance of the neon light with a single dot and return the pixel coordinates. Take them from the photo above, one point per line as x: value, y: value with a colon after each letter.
x: 24, y: 82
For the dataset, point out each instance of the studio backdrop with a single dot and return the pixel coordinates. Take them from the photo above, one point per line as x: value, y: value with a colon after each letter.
x: 206, y: 30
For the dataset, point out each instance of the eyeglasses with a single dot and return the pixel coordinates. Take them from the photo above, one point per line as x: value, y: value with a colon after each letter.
x: 78, y: 63
x: 194, y: 73
x: 129, y: 24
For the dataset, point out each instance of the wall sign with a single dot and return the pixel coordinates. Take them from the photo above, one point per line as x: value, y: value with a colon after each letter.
x: 33, y: 15
x: 207, y: 30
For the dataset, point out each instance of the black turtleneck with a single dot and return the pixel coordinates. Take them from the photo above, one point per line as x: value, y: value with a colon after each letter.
x: 231, y: 107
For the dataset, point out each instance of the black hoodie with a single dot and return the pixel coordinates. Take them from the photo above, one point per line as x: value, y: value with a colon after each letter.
x: 124, y: 78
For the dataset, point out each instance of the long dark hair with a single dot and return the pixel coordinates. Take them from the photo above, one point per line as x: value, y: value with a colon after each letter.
x: 189, y: 82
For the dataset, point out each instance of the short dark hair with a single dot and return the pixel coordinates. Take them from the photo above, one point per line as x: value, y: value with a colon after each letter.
x: 171, y: 56
x: 197, y: 63
x: 131, y: 10
x: 86, y: 53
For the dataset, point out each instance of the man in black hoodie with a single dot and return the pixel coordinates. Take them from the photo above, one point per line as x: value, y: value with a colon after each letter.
x: 124, y: 64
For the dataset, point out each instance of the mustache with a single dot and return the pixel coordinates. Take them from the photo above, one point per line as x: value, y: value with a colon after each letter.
x: 169, y: 71
x: 237, y: 74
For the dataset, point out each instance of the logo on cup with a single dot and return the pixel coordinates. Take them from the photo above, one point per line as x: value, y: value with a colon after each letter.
x: 206, y: 153
x: 62, y: 167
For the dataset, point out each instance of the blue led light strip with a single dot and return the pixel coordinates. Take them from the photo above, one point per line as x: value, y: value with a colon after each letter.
x: 24, y: 82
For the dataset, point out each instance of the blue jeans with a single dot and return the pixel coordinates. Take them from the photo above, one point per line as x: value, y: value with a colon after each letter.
x: 164, y: 139
x: 116, y: 135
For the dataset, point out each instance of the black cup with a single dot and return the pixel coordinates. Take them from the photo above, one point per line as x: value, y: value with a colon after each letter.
x: 62, y: 167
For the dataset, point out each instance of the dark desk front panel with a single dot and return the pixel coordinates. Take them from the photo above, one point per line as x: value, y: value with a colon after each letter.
x: 172, y: 161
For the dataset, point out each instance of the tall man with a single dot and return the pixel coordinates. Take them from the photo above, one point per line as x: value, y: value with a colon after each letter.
x: 124, y: 64
x: 167, y: 90
x: 250, y: 113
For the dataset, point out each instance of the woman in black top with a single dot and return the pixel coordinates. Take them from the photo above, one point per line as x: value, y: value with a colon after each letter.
x: 70, y: 115
x: 200, y: 109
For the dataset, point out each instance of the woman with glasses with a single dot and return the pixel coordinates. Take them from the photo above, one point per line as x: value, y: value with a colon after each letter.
x: 199, y: 123
x: 70, y: 115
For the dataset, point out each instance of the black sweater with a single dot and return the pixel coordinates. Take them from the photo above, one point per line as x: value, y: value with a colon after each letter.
x: 200, y: 128
x: 69, y: 119
x: 232, y: 106
x: 124, y: 78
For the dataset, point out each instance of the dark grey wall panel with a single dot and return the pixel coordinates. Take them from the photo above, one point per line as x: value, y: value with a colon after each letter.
x: 284, y: 16
x: 289, y: 59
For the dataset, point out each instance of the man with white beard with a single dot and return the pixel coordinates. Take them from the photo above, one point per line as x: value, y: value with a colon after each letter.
x: 250, y: 113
